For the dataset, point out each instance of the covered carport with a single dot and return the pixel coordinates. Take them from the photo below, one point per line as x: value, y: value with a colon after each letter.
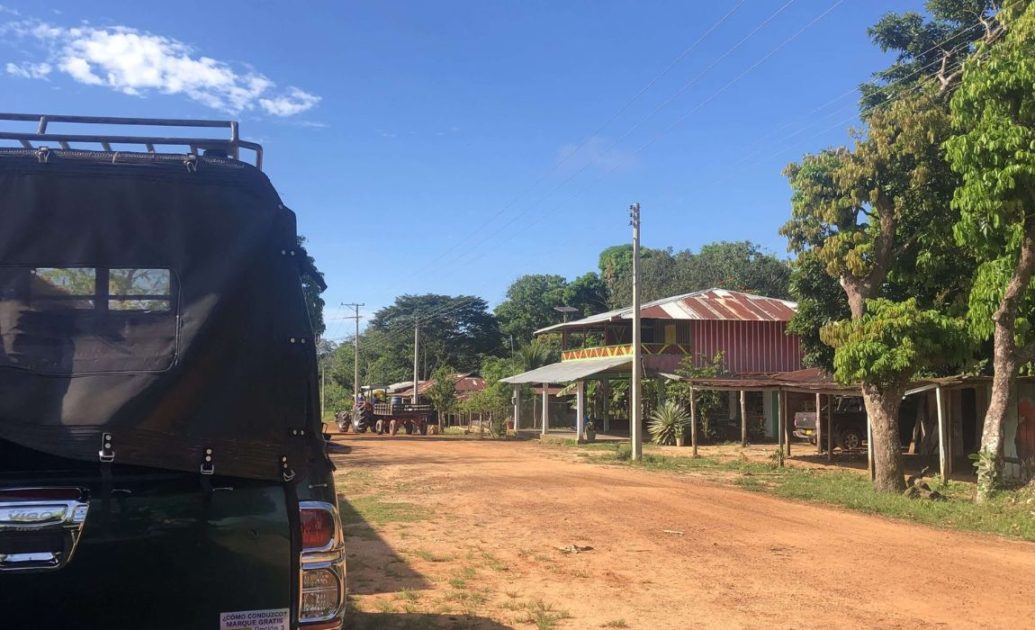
x: 809, y: 381
x: 565, y: 372
x: 821, y: 385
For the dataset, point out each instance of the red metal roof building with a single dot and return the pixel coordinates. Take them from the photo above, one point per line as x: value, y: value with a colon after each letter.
x: 466, y: 384
x: 750, y: 331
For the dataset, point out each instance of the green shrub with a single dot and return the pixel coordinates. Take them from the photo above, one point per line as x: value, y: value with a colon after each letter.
x: 668, y: 422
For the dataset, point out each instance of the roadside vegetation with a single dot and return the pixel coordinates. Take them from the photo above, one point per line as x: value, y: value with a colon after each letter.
x: 1009, y: 513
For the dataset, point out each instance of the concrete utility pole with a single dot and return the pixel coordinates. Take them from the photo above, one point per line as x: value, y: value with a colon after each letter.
x: 355, y: 369
x: 416, y: 358
x: 636, y: 411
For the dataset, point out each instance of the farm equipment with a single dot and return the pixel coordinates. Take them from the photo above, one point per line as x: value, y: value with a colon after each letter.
x: 386, y: 418
x: 411, y: 418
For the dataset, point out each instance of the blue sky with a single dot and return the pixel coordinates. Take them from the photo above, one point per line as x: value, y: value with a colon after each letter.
x: 452, y: 146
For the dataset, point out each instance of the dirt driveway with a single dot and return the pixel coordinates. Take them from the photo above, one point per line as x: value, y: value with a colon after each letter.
x: 467, y: 534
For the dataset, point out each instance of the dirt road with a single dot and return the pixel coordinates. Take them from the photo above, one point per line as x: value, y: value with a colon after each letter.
x: 466, y: 533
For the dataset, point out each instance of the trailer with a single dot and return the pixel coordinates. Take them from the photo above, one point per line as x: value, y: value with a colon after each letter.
x: 412, y: 418
x: 387, y: 418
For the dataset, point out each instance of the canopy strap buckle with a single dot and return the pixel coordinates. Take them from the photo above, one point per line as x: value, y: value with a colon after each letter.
x: 285, y: 470
x: 106, y: 454
x: 207, y: 465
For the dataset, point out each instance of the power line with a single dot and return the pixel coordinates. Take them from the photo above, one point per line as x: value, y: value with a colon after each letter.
x: 889, y: 86
x: 679, y: 120
x: 693, y: 81
x: 582, y: 145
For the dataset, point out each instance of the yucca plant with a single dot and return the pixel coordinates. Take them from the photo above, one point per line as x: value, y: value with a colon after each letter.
x: 668, y: 422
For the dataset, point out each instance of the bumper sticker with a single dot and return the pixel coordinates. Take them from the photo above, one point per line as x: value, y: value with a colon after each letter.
x: 269, y: 619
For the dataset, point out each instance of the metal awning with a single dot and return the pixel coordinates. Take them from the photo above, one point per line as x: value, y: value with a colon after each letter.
x: 568, y: 371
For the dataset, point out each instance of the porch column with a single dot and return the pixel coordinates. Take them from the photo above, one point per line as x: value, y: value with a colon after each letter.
x: 517, y: 408
x: 781, y: 420
x: 546, y: 407
x: 693, y: 421
x: 869, y: 448
x: 787, y: 424
x: 606, y: 386
x: 830, y: 429
x: 944, y: 456
x: 580, y: 409
x: 743, y: 420
x: 819, y: 423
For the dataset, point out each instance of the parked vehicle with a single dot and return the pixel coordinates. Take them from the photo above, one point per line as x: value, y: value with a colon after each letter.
x: 393, y: 417
x: 849, y: 423
x: 162, y: 464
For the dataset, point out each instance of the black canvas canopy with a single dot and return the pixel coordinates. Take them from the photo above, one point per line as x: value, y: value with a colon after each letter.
x: 155, y: 299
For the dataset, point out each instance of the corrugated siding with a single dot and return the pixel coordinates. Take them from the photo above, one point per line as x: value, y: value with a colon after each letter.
x: 747, y: 346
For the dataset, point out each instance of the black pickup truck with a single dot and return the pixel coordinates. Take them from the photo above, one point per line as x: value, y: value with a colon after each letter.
x: 162, y: 463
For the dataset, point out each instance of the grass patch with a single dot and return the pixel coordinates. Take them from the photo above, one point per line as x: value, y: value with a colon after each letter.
x: 542, y: 615
x: 494, y: 563
x: 1008, y: 513
x: 429, y: 556
x: 376, y: 511
x: 616, y: 623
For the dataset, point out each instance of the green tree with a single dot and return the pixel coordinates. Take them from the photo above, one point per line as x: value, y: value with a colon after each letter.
x: 588, y: 293
x: 530, y: 304
x: 821, y: 301
x: 454, y: 330
x: 535, y: 355
x: 877, y: 218
x: 736, y: 265
x: 442, y: 391
x: 882, y: 349
x: 313, y: 285
x: 994, y: 151
x: 615, y: 264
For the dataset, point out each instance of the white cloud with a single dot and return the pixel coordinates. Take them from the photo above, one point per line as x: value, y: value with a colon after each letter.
x: 595, y: 152
x: 296, y: 101
x: 29, y: 70
x: 137, y: 62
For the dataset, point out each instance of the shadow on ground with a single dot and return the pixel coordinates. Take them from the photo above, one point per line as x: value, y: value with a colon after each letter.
x: 373, y: 566
x: 912, y: 463
x: 416, y: 621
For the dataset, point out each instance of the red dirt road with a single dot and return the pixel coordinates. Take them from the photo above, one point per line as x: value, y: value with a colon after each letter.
x: 743, y: 560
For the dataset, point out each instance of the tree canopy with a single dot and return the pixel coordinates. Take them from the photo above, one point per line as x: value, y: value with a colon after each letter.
x: 877, y: 219
x: 994, y: 151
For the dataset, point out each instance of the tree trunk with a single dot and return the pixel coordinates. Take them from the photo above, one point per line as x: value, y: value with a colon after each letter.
x: 1006, y: 359
x: 990, y: 464
x: 882, y: 407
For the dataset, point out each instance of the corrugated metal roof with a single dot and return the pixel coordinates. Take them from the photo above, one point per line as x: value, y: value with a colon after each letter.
x: 712, y: 304
x: 465, y: 385
x: 567, y: 371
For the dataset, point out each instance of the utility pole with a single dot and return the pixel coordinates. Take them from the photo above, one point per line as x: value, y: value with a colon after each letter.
x: 355, y: 372
x: 416, y: 357
x: 636, y: 411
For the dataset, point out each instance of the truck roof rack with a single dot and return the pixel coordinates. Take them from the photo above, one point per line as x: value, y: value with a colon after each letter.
x: 35, y: 140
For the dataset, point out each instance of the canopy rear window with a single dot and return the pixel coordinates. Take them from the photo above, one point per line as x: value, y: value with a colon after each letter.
x: 82, y: 320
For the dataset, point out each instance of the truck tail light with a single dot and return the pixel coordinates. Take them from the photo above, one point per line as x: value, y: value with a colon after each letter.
x: 322, y: 564
x: 318, y: 528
